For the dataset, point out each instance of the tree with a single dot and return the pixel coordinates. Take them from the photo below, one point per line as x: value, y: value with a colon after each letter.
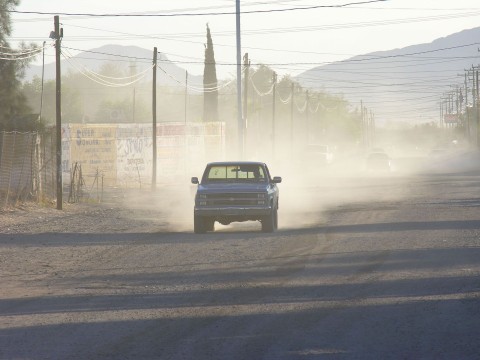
x: 12, y: 65
x: 210, y: 87
x: 72, y: 106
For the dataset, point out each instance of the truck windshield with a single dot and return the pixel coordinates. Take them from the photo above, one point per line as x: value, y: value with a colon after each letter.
x: 218, y: 173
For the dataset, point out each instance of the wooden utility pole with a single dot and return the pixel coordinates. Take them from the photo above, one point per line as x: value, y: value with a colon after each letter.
x: 246, y: 64
x: 154, y: 120
x: 365, y: 119
x: 43, y: 76
x: 362, y: 120
x: 475, y: 110
x: 58, y: 34
x: 186, y: 98
x: 291, y: 118
x: 274, y: 80
x: 441, y: 112
x: 239, y: 81
x: 185, y: 134
x: 307, y: 120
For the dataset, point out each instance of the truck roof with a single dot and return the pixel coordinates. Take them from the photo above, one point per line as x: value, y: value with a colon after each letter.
x: 224, y: 163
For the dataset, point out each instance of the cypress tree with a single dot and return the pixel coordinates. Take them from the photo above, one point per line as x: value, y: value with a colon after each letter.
x: 210, y: 92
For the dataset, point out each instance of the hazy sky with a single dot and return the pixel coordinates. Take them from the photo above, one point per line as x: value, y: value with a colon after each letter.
x: 277, y: 33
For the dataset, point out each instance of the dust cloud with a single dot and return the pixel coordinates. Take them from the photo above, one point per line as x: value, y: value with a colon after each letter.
x: 312, y: 185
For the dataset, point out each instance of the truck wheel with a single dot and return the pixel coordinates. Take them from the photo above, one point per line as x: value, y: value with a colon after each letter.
x: 276, y: 219
x: 209, y: 224
x: 269, y: 222
x: 199, y: 224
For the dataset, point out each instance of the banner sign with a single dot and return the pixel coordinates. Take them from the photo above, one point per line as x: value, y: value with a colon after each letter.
x: 450, y: 118
x: 122, y: 154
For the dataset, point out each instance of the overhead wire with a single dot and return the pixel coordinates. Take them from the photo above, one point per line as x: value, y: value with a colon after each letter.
x: 101, y: 76
x: 363, y: 84
x: 207, y: 88
x: 217, y: 44
x: 15, y: 55
x: 284, y: 101
x: 99, y: 80
x: 297, y: 64
x: 278, y: 30
x: 255, y: 88
x: 304, y: 8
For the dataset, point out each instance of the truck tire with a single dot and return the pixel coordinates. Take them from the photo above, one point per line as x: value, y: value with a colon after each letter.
x: 199, y: 224
x: 209, y: 224
x: 270, y: 222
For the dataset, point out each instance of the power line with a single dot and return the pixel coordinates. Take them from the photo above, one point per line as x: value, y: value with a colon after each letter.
x: 13, y: 55
x: 277, y: 30
x: 340, y: 62
x: 109, y: 54
x: 200, y: 14
x: 97, y: 78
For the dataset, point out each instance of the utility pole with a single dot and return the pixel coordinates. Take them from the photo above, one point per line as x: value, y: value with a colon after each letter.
x: 364, y: 122
x: 133, y: 104
x: 307, y: 121
x: 474, y: 122
x: 239, y: 82
x: 274, y: 80
x: 474, y: 89
x: 457, y: 103
x: 441, y: 112
x: 154, y: 119
x: 371, y: 125
x: 466, y: 121
x: 185, y: 145
x: 366, y: 128
x: 43, y: 76
x: 57, y: 35
x: 186, y: 97
x: 291, y: 118
x: 362, y: 125
x: 475, y: 110
x: 133, y: 71
x: 246, y: 63
x: 445, y: 112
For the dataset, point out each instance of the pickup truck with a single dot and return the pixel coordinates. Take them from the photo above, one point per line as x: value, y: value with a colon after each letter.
x: 236, y: 191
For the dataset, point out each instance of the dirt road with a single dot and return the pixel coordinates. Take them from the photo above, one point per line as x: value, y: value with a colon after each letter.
x: 361, y: 268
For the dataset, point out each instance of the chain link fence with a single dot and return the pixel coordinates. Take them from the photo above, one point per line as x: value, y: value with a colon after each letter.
x: 27, y: 168
x: 17, y: 166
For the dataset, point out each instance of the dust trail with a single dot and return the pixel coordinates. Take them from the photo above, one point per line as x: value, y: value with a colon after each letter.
x: 310, y: 187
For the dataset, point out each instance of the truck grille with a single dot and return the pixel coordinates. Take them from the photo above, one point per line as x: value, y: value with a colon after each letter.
x: 233, y: 199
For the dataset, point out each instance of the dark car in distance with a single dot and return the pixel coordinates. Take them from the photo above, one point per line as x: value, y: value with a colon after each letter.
x: 236, y: 191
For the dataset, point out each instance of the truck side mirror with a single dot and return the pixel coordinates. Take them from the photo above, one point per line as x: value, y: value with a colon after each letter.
x: 194, y: 180
x: 277, y: 180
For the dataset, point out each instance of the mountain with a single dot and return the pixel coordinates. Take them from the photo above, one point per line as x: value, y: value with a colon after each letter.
x: 405, y: 84
x: 132, y: 59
